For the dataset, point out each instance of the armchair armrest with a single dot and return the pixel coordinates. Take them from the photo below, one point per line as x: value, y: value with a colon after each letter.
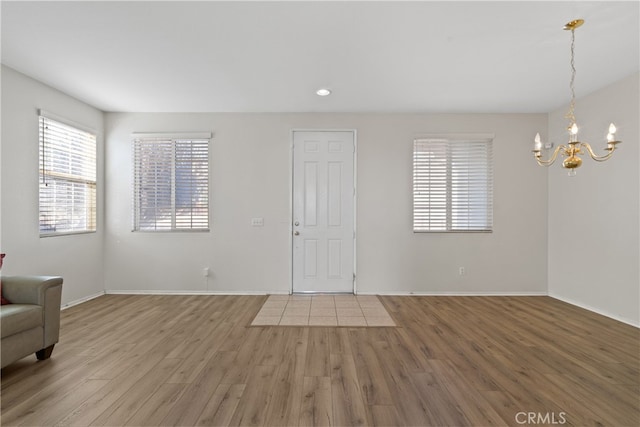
x: 29, y: 289
x: 45, y: 291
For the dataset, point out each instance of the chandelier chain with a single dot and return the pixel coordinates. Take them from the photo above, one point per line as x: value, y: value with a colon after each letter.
x: 570, y: 114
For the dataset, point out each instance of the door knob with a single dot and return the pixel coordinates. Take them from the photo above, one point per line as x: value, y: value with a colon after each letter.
x: 296, y: 223
x: 296, y: 233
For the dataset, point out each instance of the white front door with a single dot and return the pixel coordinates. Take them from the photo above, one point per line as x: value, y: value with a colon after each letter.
x: 323, y: 211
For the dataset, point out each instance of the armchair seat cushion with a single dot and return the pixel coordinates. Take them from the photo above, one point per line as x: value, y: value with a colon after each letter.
x: 20, y: 317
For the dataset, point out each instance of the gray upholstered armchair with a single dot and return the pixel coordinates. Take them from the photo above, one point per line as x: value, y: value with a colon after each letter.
x: 31, y: 323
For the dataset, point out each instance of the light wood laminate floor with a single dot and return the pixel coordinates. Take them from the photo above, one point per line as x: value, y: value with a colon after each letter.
x: 451, y: 361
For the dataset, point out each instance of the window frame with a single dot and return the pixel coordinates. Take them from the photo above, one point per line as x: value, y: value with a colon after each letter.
x: 173, y: 139
x: 88, y: 160
x: 446, y: 184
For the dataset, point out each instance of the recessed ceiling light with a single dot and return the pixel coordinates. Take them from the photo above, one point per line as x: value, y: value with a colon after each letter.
x: 323, y: 92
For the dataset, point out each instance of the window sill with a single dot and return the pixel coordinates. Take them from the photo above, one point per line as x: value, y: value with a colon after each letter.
x: 66, y: 233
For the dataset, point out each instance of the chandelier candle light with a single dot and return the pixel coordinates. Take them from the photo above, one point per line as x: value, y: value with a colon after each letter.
x: 574, y: 147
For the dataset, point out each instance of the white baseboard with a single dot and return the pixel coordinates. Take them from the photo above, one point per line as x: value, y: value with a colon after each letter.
x: 630, y: 322
x: 394, y: 293
x: 81, y: 300
x: 157, y: 292
x: 459, y: 293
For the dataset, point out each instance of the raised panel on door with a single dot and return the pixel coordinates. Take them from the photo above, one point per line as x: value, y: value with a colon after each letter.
x: 323, y: 208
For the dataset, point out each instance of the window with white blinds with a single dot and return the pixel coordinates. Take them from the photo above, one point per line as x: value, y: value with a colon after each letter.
x: 67, y: 194
x: 171, y: 184
x: 452, y: 185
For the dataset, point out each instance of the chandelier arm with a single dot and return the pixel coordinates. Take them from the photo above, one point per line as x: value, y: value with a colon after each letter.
x: 596, y: 157
x: 553, y: 158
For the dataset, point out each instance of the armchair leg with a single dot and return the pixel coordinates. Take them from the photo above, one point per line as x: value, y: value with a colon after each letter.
x: 45, y: 353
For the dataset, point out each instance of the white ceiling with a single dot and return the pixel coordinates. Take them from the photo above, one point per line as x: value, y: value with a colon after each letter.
x: 385, y: 56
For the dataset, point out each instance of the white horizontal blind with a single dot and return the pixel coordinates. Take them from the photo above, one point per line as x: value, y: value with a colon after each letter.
x: 430, y: 185
x: 171, y: 184
x: 192, y: 184
x: 67, y: 193
x: 452, y: 185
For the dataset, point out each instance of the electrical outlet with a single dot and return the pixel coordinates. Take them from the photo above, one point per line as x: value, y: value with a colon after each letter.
x: 205, y: 272
x: 462, y: 271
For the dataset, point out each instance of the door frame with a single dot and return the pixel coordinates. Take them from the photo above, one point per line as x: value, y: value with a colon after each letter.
x: 291, y: 196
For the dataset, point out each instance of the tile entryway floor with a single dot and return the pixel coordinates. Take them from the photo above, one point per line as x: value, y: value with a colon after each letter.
x: 323, y: 310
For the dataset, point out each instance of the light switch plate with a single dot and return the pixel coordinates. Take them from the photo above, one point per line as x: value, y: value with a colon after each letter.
x: 257, y: 222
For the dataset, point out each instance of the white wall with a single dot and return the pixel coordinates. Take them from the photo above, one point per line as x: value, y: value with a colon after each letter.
x: 594, y: 230
x: 591, y: 238
x: 250, y: 177
x: 78, y: 258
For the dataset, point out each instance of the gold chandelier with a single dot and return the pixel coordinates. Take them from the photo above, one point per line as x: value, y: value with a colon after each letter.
x: 574, y: 147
